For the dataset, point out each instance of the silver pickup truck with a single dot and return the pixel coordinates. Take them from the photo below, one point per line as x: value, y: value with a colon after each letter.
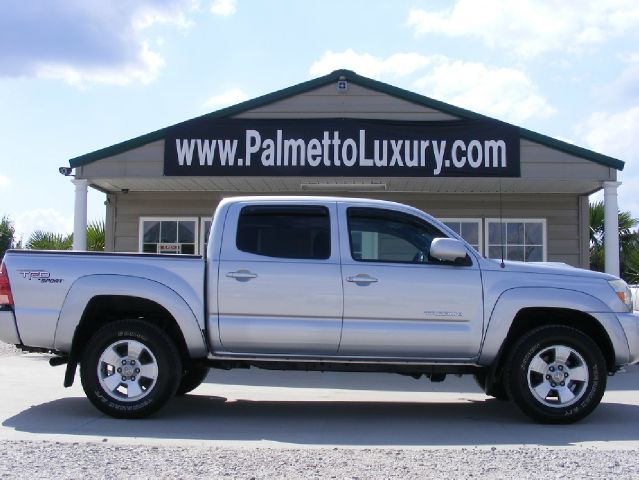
x: 313, y: 283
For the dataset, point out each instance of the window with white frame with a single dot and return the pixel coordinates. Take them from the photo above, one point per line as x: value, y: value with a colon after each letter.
x: 470, y: 229
x: 169, y: 235
x: 519, y: 239
x: 205, y: 228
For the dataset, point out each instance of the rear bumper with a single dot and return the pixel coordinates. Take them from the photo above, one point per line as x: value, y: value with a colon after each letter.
x: 630, y: 324
x: 8, y: 329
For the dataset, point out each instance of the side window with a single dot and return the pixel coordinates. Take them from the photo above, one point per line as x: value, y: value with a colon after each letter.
x: 300, y: 232
x: 518, y: 239
x: 467, y: 228
x: 386, y: 236
x: 168, y: 235
x: 205, y: 229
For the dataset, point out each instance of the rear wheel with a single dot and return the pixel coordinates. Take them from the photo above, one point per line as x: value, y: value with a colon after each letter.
x: 130, y: 369
x: 556, y: 374
x: 192, y: 377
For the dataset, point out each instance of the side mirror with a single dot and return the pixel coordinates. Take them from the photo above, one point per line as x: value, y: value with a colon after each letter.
x: 447, y: 249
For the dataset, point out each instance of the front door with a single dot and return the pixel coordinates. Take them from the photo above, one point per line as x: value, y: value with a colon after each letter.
x: 399, y: 302
x: 280, y: 286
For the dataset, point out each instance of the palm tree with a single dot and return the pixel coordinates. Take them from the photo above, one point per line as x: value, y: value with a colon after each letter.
x: 95, y: 236
x: 628, y: 242
x: 41, y: 240
x: 632, y: 267
x: 7, y: 235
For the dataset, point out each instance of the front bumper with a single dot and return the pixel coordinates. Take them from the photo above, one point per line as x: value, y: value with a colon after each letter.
x: 630, y: 324
x: 8, y: 329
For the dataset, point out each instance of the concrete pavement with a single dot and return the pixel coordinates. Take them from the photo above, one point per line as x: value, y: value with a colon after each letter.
x: 257, y: 408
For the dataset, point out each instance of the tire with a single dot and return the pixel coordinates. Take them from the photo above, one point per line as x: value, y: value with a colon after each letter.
x: 192, y: 377
x: 495, y: 390
x: 130, y: 369
x: 556, y: 374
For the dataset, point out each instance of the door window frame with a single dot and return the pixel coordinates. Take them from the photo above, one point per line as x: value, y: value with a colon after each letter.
x: 346, y: 243
x: 230, y: 252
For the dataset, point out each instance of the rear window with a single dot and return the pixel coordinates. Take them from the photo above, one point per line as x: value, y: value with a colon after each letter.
x: 301, y: 232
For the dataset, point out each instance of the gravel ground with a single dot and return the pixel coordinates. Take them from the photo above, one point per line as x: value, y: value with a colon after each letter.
x: 43, y: 460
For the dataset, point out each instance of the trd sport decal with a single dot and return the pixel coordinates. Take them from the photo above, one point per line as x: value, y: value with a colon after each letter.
x: 40, y: 275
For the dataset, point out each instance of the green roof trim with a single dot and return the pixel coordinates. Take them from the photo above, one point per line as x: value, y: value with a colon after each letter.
x: 358, y: 80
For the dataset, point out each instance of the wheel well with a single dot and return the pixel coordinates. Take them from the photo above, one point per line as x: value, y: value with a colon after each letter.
x: 104, y: 309
x: 530, y: 318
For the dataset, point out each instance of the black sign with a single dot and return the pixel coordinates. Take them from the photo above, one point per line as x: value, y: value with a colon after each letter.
x: 342, y: 147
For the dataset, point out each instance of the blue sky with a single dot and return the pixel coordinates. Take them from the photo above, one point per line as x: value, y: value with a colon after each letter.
x: 79, y: 75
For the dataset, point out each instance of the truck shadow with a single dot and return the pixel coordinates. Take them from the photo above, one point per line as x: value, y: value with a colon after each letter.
x: 626, y: 381
x: 346, y: 423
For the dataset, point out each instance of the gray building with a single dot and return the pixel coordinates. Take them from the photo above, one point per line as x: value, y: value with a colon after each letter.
x: 344, y: 134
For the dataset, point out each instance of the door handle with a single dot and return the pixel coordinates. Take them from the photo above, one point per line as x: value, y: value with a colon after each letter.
x: 361, y: 278
x: 242, y: 275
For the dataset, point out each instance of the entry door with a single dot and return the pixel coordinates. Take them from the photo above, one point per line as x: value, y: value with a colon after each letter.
x: 398, y: 302
x: 280, y: 286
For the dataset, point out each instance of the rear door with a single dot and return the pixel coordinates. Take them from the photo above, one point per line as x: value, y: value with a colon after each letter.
x: 280, y: 286
x: 399, y: 302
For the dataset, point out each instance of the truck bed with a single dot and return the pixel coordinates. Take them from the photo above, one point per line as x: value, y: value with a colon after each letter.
x: 41, y: 280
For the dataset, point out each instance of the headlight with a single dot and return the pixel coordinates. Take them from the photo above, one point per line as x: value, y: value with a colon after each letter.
x: 623, y: 292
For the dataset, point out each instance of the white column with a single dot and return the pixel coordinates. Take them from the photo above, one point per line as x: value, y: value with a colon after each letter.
x: 611, y: 228
x: 80, y: 215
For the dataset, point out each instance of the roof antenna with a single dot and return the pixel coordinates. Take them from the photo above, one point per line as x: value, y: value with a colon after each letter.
x: 501, y: 226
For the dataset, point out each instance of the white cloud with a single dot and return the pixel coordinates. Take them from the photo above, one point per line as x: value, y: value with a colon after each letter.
x: 615, y: 134
x: 172, y: 14
x: 505, y: 93
x: 624, y: 90
x: 530, y: 27
x: 46, y: 219
x: 230, y: 97
x: 4, y: 181
x: 87, y: 41
x: 143, y: 69
x: 223, y: 8
x: 397, y: 65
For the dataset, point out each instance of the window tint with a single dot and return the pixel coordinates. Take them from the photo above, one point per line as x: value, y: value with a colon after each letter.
x: 386, y: 236
x: 301, y: 232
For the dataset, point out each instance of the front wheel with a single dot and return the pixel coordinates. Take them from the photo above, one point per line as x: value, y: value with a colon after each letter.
x: 130, y: 369
x: 556, y: 374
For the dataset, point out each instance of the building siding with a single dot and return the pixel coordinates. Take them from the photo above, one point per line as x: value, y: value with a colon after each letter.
x: 562, y: 213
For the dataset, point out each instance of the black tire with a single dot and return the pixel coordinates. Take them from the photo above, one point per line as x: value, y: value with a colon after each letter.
x: 192, y: 377
x: 130, y: 369
x: 556, y: 374
x: 495, y: 390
